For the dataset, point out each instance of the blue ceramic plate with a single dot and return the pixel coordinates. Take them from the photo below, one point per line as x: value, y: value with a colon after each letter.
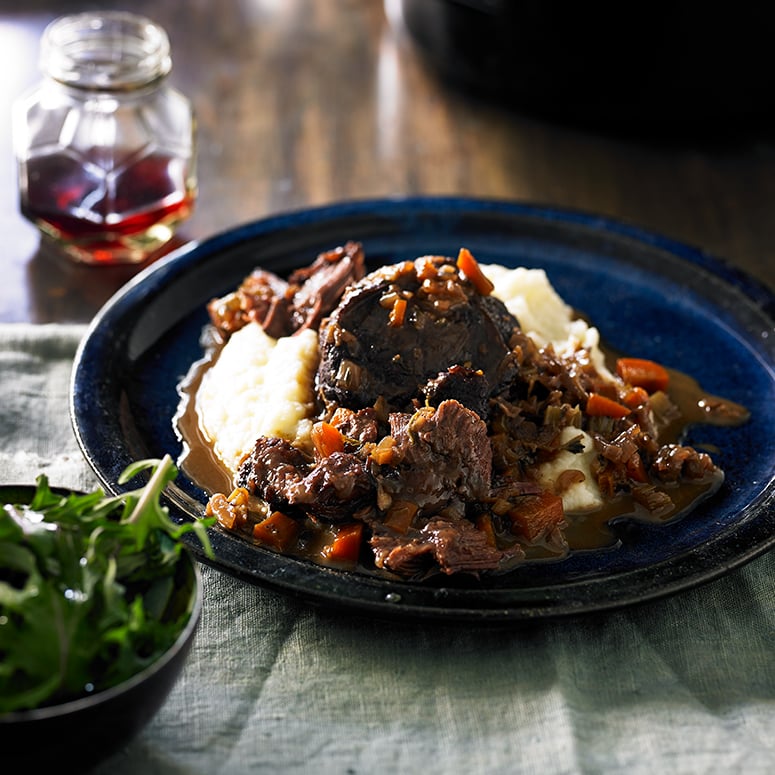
x: 648, y: 295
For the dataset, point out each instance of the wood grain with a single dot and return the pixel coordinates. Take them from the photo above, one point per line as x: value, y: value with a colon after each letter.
x: 303, y: 103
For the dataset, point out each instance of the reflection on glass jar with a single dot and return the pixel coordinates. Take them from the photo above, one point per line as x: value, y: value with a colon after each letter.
x: 105, y: 148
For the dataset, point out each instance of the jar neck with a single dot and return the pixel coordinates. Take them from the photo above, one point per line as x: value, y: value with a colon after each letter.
x: 105, y: 51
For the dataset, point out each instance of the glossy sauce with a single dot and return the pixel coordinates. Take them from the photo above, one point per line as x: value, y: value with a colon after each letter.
x: 696, y: 406
x: 198, y: 459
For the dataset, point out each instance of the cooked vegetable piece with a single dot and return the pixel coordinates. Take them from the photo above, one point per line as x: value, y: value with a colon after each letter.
x: 400, y: 515
x: 602, y: 406
x: 278, y: 531
x: 537, y: 516
x: 469, y: 266
x: 327, y: 439
x: 397, y: 313
x: 635, y: 469
x: 232, y: 511
x: 641, y: 372
x: 635, y: 397
x: 346, y: 545
x: 484, y: 523
x: 384, y: 452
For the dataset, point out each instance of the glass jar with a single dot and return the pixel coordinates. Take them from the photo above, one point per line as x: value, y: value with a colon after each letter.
x: 105, y: 148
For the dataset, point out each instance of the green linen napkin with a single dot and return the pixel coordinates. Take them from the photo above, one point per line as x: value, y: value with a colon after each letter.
x: 274, y: 685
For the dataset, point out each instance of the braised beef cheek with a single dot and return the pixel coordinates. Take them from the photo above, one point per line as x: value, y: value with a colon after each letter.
x: 402, y: 327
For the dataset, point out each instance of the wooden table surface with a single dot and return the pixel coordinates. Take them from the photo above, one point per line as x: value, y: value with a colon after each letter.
x: 306, y: 102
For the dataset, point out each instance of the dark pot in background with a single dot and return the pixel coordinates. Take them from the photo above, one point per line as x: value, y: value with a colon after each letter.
x: 613, y: 64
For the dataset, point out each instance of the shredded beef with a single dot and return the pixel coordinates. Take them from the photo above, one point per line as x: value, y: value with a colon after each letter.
x: 453, y: 546
x: 271, y: 470
x: 674, y: 462
x: 262, y: 298
x: 285, y: 307
x: 442, y: 453
x: 335, y: 488
x: 330, y: 489
x: 320, y: 286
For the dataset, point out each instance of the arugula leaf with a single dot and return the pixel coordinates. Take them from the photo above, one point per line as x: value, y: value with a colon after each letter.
x: 89, y: 588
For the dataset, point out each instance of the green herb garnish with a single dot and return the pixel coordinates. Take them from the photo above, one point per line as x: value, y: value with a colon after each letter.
x: 91, y: 588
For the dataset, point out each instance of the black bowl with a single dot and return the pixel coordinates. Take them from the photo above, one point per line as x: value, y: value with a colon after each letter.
x: 74, y: 736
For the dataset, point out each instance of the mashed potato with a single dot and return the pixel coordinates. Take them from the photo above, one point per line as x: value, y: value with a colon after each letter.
x: 261, y: 386
x: 547, y: 319
x: 542, y: 314
x: 580, y: 496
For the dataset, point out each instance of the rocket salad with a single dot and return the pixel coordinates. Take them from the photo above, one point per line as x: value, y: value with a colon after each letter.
x: 89, y: 588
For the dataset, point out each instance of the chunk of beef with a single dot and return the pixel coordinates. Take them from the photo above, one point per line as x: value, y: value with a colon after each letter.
x: 272, y: 470
x: 674, y: 463
x: 361, y: 426
x: 261, y: 298
x: 331, y: 489
x: 468, y: 386
x: 443, y: 453
x: 546, y: 377
x: 335, y: 488
x: 319, y: 287
x: 404, y: 324
x: 283, y: 307
x: 453, y: 546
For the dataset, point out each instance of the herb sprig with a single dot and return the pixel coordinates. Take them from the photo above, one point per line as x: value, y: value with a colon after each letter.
x: 90, y: 588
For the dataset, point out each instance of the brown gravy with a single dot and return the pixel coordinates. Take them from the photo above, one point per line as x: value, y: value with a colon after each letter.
x: 584, y: 531
x: 198, y: 458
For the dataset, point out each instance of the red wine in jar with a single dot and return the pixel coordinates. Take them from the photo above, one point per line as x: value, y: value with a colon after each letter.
x: 102, y: 208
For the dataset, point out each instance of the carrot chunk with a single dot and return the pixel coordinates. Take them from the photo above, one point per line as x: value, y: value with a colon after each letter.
x: 384, y: 453
x: 397, y: 313
x: 601, y: 406
x: 469, y: 266
x: 326, y: 439
x: 536, y: 516
x: 346, y: 546
x: 278, y: 531
x: 635, y: 397
x: 640, y: 372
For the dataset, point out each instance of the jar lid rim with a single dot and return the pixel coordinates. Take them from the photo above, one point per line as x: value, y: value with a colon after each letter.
x: 105, y: 50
